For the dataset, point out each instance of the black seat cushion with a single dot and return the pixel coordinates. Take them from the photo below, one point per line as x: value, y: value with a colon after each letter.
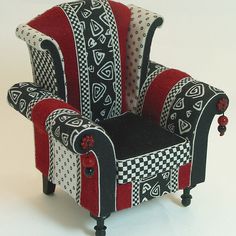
x: 133, y: 135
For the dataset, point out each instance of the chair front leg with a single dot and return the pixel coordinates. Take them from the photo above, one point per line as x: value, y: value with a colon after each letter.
x: 186, y: 196
x: 100, y: 228
x: 48, y: 187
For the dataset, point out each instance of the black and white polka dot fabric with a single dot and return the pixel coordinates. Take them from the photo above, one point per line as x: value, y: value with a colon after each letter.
x: 42, y: 62
x: 142, y: 26
x: 67, y: 170
x: 31, y: 36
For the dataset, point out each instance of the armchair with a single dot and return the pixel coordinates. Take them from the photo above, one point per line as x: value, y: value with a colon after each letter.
x: 112, y: 128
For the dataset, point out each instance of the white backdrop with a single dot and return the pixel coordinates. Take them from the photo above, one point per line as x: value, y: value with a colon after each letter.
x: 198, y: 37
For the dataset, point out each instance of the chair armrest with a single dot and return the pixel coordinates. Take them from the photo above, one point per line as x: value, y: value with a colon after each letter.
x: 186, y: 107
x: 24, y: 96
x: 79, y: 134
x: 65, y: 124
x: 173, y: 96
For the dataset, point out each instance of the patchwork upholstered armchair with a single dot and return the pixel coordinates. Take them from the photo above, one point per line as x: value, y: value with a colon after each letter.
x: 112, y: 128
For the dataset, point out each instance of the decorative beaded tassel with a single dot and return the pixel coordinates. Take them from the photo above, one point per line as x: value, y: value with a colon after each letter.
x: 222, y: 120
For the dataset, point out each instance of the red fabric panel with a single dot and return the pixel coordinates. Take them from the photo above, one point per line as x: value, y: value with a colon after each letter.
x: 41, y: 150
x: 42, y: 109
x: 124, y: 193
x: 184, y: 175
x: 55, y: 24
x: 40, y: 113
x: 89, y: 189
x: 122, y: 16
x: 158, y: 90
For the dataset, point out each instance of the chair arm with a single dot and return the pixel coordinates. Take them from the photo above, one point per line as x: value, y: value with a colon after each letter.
x: 172, y: 96
x: 186, y: 107
x: 81, y: 135
x: 76, y: 132
x: 24, y: 96
x: 65, y: 124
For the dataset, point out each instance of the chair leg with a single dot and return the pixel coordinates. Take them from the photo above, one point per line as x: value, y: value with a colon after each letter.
x: 48, y: 187
x: 186, y: 197
x: 100, y: 228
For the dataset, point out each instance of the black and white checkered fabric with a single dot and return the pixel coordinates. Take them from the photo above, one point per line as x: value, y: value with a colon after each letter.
x: 135, y: 193
x: 133, y: 169
x: 82, y: 57
x: 146, y: 85
x: 174, y: 180
x: 44, y: 70
x: 170, y: 98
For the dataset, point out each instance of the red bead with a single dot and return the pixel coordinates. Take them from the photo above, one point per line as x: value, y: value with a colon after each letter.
x: 223, y: 120
x: 222, y: 105
x: 88, y: 162
x: 87, y: 142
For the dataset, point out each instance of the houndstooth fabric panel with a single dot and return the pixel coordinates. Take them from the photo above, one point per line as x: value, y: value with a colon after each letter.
x: 171, y: 98
x: 44, y: 70
x: 147, y: 83
x: 82, y: 58
x: 136, y: 168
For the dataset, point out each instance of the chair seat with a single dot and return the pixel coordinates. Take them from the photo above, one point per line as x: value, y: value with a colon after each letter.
x: 143, y: 148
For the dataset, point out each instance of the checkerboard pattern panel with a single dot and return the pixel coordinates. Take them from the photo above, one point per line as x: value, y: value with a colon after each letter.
x: 133, y: 169
x: 116, y: 50
x: 146, y: 85
x: 44, y: 70
x: 82, y: 59
x: 170, y: 98
x: 135, y: 193
x: 174, y: 180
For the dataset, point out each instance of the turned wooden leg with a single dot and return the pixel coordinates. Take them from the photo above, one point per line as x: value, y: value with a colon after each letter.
x: 48, y: 187
x: 186, y: 197
x: 100, y: 228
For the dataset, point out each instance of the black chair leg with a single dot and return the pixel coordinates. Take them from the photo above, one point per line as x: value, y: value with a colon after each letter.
x: 100, y: 228
x: 186, y: 197
x: 48, y: 187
